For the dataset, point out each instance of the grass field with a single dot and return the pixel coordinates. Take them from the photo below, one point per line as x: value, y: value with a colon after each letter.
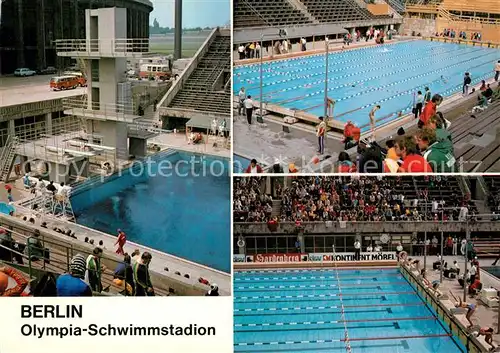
x: 191, y: 42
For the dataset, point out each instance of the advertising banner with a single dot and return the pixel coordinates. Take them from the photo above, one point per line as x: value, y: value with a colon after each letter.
x: 295, y: 257
x: 349, y: 256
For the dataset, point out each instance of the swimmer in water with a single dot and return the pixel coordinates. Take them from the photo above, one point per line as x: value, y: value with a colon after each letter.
x: 471, y: 308
x: 444, y: 79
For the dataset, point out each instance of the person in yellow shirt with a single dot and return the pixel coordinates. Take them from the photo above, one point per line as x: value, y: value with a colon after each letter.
x: 320, y: 132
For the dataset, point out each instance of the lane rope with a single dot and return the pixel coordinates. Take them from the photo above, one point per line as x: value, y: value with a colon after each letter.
x: 347, y: 342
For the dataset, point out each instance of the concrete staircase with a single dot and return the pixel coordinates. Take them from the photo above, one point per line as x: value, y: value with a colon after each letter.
x: 276, y: 212
x: 7, y: 157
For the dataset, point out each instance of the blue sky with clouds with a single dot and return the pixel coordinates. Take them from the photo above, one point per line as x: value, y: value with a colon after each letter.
x: 196, y: 13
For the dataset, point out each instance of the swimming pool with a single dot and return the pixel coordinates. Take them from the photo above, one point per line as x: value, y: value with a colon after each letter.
x: 387, y: 75
x: 300, y: 311
x: 240, y: 163
x: 186, y: 214
x: 5, y: 208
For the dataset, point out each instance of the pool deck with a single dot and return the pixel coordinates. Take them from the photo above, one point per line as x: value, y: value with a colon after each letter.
x: 484, y: 315
x: 179, y: 141
x: 160, y: 260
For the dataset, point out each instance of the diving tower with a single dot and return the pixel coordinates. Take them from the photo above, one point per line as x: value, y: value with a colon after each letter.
x: 108, y: 114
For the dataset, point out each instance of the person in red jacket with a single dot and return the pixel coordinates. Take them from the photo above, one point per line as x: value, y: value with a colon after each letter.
x: 21, y: 282
x: 122, y: 239
x: 253, y: 168
x: 407, y: 150
x: 429, y: 110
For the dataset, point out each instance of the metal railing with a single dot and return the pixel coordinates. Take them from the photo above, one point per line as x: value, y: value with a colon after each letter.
x: 95, y: 110
x: 113, y: 47
x: 33, y: 256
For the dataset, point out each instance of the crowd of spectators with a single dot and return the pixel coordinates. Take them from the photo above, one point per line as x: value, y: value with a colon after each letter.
x: 250, y: 203
x: 341, y: 198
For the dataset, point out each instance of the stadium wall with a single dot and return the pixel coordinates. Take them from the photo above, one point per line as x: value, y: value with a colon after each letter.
x: 426, y: 27
x: 28, y: 28
x: 489, y: 32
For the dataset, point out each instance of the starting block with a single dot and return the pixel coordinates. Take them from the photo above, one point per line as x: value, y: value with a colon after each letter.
x: 290, y: 120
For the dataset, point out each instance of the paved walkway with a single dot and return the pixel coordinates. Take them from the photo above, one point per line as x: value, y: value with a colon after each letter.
x: 484, y: 315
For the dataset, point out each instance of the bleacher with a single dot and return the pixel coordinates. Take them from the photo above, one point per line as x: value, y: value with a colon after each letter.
x: 331, y: 11
x: 261, y: 13
x: 198, y: 92
x: 397, y: 5
x: 493, y: 184
x: 483, y: 130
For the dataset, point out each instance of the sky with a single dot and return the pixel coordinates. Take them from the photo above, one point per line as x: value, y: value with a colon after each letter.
x: 196, y: 13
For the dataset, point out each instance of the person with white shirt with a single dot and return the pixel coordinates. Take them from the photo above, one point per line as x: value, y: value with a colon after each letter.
x: 455, y: 241
x: 473, y: 273
x: 377, y: 248
x: 303, y: 43
x: 241, y: 97
x: 248, y: 103
x: 285, y: 46
x: 257, y: 50
x: 369, y: 248
x: 463, y: 245
x: 241, y: 51
x: 357, y: 250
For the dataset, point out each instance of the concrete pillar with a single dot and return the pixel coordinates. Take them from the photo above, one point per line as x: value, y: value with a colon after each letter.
x: 138, y: 147
x: 41, y: 59
x: 241, y: 249
x: 20, y: 36
x: 58, y: 173
x: 12, y: 127
x: 178, y: 30
x: 48, y: 123
x: 268, y: 185
x: 300, y: 238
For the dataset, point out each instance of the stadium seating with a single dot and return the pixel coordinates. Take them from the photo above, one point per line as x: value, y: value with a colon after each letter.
x: 493, y: 184
x: 198, y: 92
x: 397, y: 5
x: 260, y: 13
x: 465, y: 129
x: 336, y: 10
x: 363, y: 199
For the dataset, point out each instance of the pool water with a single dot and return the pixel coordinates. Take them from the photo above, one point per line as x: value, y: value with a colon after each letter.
x: 184, y: 214
x: 387, y: 75
x: 5, y: 208
x: 300, y: 311
x: 240, y: 163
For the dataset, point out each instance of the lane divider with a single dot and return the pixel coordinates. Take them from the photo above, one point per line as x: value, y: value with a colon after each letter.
x: 341, y: 340
x: 419, y: 318
x: 305, y: 308
x: 296, y: 278
x: 301, y: 296
x: 320, y: 270
x: 315, y: 286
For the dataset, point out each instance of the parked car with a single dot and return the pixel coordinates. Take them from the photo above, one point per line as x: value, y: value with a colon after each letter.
x: 24, y: 72
x: 49, y: 70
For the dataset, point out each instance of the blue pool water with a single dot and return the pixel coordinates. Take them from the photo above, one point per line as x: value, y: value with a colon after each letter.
x: 185, y: 214
x: 300, y: 311
x: 240, y: 163
x: 387, y: 75
x: 5, y: 208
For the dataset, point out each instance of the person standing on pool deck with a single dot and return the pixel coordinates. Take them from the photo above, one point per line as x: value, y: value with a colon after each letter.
x: 241, y: 97
x: 320, y: 132
x: 497, y: 70
x: 419, y: 105
x: 427, y: 96
x: 249, y: 109
x: 122, y: 239
x: 467, y: 82
x: 471, y: 308
x: 357, y: 250
x: 372, y: 120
